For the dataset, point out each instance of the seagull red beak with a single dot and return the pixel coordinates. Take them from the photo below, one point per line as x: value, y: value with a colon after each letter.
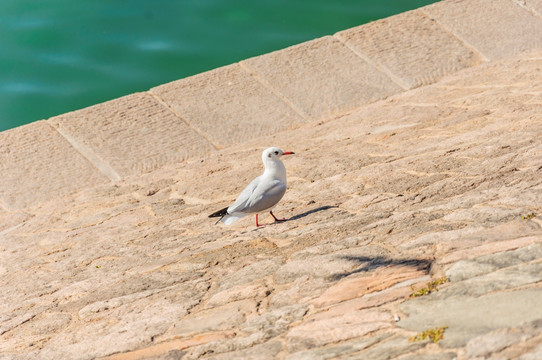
x: 288, y: 153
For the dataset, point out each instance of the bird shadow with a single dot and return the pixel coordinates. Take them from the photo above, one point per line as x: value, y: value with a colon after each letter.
x: 372, y: 263
x: 306, y: 213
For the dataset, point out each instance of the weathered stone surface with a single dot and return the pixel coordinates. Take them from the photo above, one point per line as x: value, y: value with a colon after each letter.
x: 387, y: 349
x: 247, y: 274
x: 496, y: 39
x: 468, y: 316
x: 137, y: 321
x: 489, y: 249
x: 218, y: 318
x: 443, y: 178
x: 302, y: 290
x: 276, y: 321
x: 508, y: 278
x: 267, y: 351
x: 491, y: 344
x: 339, y: 265
x: 174, y: 349
x: 322, y: 330
x: 466, y: 269
x: 397, y: 292
x: 512, y: 234
x: 338, y: 350
x: 226, y: 347
x: 532, y: 354
x: 412, y: 48
x: 10, y: 221
x: 260, y: 329
x: 533, y: 5
x: 438, y: 356
x: 38, y: 164
x: 227, y: 104
x: 322, y: 78
x: 131, y: 135
x: 380, y: 279
x: 236, y: 293
x: 322, y: 266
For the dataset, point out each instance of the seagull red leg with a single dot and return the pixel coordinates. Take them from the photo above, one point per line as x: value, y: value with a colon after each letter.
x: 258, y: 225
x: 274, y: 217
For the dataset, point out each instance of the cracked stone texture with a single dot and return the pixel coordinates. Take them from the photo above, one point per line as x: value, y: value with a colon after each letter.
x: 125, y: 133
x: 430, y: 182
x: 412, y: 47
x: 497, y: 37
x: 533, y: 5
x: 382, y: 199
x: 25, y: 152
x: 322, y: 78
x: 500, y: 343
x: 228, y: 104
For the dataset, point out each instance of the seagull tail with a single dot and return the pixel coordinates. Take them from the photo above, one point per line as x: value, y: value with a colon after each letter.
x: 219, y: 213
x: 226, y: 218
x: 229, y: 219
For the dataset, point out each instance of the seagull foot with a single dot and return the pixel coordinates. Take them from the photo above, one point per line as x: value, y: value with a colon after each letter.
x: 274, y: 217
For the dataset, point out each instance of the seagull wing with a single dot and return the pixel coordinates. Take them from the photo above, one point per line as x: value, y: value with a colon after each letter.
x: 261, y: 194
x: 244, y: 197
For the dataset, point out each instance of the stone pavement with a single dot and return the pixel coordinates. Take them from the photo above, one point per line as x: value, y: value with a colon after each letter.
x: 401, y: 176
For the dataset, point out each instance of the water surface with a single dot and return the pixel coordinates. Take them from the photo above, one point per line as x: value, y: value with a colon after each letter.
x: 58, y: 55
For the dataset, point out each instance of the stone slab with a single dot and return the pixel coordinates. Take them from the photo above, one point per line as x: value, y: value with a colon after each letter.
x: 266, y: 351
x: 219, y: 318
x: 356, y: 287
x: 468, y: 317
x: 496, y: 28
x: 168, y: 349
x: 37, y: 164
x: 322, y: 77
x: 131, y: 135
x: 496, y: 341
x: 11, y: 220
x: 410, y: 46
x: 533, y: 354
x: 488, y: 248
x: 275, y: 321
x: 466, y: 269
x: 389, y: 349
x: 533, y: 5
x: 137, y: 263
x: 439, y: 356
x: 503, y: 279
x: 319, y: 332
x: 334, y: 352
x: 228, y: 105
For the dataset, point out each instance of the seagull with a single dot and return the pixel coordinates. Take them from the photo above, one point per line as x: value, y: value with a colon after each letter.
x: 262, y: 194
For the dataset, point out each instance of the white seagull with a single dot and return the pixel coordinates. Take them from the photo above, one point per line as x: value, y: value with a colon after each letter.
x: 262, y: 194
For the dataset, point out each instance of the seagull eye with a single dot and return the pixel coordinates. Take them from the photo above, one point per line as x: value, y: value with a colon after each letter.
x: 276, y: 152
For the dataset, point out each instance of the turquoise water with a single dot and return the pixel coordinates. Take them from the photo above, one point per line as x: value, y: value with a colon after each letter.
x: 59, y: 55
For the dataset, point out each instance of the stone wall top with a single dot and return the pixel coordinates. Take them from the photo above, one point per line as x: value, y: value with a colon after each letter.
x: 312, y: 81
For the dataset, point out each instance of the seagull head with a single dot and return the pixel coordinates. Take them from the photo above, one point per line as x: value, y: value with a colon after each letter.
x: 274, y: 153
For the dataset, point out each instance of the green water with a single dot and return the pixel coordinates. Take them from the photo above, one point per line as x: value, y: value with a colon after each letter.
x: 59, y: 55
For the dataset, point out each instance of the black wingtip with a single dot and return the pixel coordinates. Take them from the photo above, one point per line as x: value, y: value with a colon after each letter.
x: 219, y: 213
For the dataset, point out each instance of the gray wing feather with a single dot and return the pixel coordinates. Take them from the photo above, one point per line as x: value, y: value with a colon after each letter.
x: 264, y: 200
x: 257, y: 197
x: 244, y: 197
